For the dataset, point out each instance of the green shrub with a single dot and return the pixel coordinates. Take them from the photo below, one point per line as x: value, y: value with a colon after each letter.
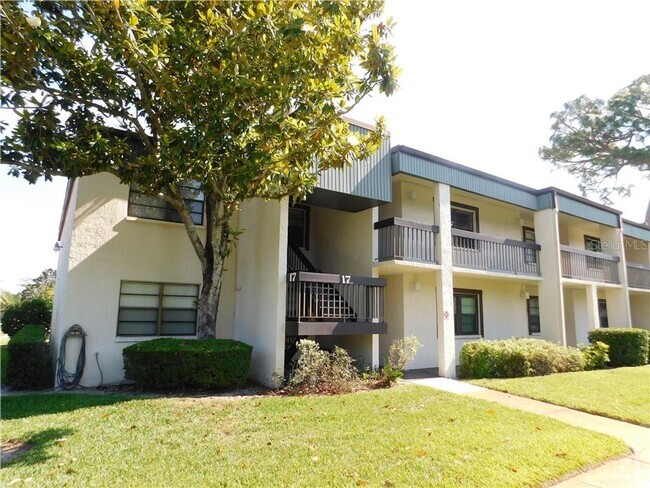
x: 36, y: 311
x: 185, y: 364
x: 400, y: 353
x: 319, y: 371
x: 514, y: 358
x: 30, y: 363
x: 596, y: 355
x: 627, y: 346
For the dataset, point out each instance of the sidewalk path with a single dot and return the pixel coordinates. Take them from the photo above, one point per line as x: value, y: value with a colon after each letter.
x: 629, y: 472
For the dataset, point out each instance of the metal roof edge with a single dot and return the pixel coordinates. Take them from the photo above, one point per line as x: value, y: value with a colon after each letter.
x: 461, y: 167
x: 551, y: 189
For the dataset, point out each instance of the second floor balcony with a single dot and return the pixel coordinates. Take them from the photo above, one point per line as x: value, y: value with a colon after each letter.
x: 405, y: 240
x: 479, y: 251
x: 638, y: 276
x: 589, y: 265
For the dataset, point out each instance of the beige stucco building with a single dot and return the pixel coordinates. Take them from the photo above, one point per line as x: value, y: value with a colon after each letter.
x: 403, y: 243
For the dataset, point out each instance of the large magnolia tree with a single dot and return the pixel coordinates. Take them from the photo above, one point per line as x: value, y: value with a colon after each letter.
x: 243, y: 98
x: 595, y: 139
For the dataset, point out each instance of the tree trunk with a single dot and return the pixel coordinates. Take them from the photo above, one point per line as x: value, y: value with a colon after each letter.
x: 209, y: 304
x: 212, y: 254
x: 216, y: 253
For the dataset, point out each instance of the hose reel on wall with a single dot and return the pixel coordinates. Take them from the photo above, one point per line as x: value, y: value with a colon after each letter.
x: 65, y: 379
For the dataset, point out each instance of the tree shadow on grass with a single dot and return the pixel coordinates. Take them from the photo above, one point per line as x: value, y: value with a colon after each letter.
x: 34, y: 449
x: 21, y: 406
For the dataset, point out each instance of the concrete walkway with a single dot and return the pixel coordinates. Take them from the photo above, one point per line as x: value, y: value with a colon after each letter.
x: 629, y: 472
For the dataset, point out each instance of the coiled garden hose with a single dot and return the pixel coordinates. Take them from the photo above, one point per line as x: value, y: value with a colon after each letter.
x: 65, y: 379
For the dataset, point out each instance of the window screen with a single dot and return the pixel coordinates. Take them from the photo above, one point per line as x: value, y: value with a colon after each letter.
x: 148, y: 309
x: 155, y: 208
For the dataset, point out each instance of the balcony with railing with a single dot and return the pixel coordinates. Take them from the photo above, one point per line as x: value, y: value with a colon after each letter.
x: 589, y: 265
x: 479, y: 251
x: 332, y: 304
x: 405, y: 240
x: 638, y: 276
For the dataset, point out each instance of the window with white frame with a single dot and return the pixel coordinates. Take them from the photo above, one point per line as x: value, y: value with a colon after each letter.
x: 157, y: 309
x: 155, y: 208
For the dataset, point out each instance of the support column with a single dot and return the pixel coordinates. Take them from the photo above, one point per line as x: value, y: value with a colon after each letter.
x: 261, y: 285
x: 375, y: 351
x: 551, y: 300
x: 444, y: 283
x: 375, y: 274
x: 618, y: 299
x: 593, y: 319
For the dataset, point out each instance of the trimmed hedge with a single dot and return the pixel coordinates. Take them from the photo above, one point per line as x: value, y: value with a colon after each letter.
x: 627, y: 346
x: 30, y: 361
x: 181, y: 364
x: 36, y: 311
x: 514, y: 358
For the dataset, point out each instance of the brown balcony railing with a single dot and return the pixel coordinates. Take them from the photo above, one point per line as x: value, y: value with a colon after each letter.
x: 638, y: 276
x: 480, y: 251
x: 324, y: 304
x: 589, y: 265
x: 402, y: 239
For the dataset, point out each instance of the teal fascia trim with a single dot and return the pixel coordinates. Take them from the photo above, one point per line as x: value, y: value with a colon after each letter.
x: 406, y: 160
x: 638, y: 231
x: 432, y: 168
x: 577, y: 208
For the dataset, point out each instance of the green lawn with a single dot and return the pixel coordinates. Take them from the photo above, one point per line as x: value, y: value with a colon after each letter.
x: 621, y: 393
x: 405, y: 436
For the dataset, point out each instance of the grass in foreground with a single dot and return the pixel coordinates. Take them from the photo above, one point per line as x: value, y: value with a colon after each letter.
x: 621, y: 393
x: 405, y: 436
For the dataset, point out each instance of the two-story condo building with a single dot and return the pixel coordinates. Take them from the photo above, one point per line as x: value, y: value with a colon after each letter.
x: 404, y: 243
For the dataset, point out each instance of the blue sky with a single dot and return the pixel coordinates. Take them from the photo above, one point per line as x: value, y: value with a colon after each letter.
x: 480, y: 81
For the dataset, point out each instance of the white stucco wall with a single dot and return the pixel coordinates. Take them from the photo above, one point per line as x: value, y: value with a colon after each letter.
x: 394, y: 208
x: 551, y: 298
x: 580, y: 319
x: 420, y: 317
x: 394, y: 314
x: 341, y: 242
x: 416, y: 199
x: 59, y: 302
x: 496, y: 218
x: 569, y: 318
x: 618, y: 304
x: 504, y: 308
x: 105, y: 247
x: 261, y: 285
x: 573, y: 230
x: 637, y: 251
x: 640, y: 309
